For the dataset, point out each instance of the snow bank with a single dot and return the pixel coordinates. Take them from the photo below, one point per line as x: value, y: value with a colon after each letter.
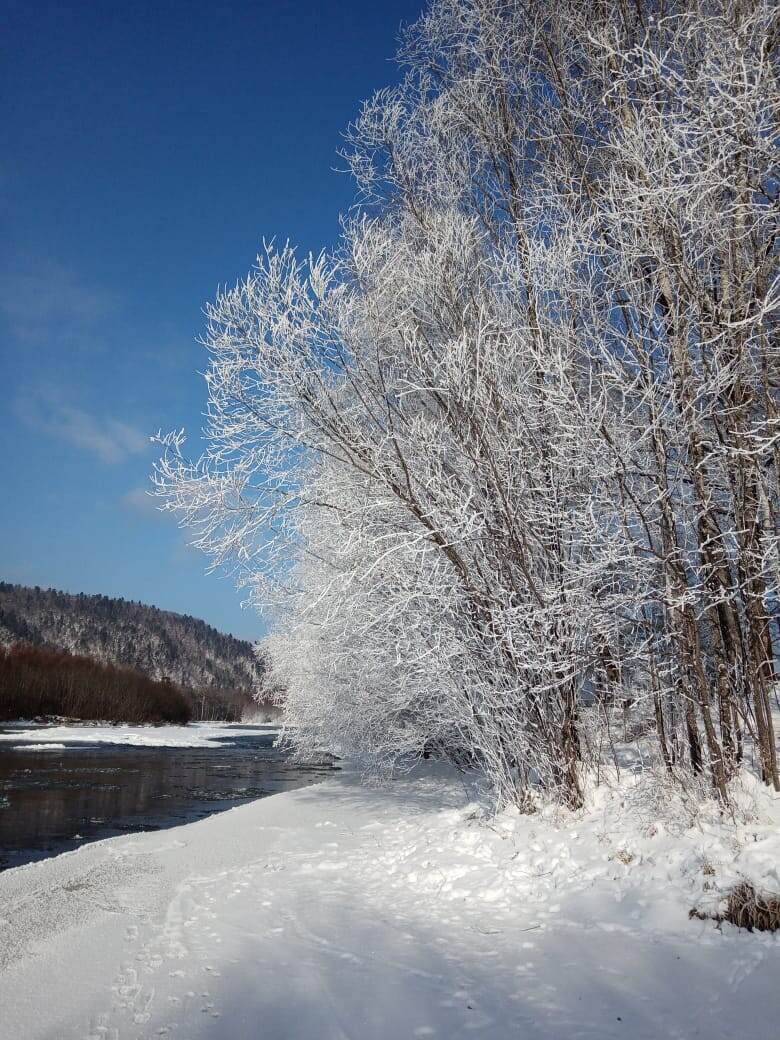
x: 345, y: 911
x: 632, y: 847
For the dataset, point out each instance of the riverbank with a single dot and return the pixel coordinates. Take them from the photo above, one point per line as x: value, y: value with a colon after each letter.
x: 65, y: 786
x: 344, y: 911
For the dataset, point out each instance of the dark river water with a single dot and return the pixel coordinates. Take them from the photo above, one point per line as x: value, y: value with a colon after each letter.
x: 55, y: 800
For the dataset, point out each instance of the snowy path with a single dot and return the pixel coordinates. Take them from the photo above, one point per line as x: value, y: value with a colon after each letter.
x: 346, y: 913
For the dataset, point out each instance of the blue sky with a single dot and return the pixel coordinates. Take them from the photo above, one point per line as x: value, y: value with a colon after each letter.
x: 149, y: 147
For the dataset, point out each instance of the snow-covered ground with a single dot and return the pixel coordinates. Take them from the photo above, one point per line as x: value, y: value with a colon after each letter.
x: 25, y: 736
x: 346, y: 912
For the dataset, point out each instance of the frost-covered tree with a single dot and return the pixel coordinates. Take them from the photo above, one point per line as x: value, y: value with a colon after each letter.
x: 509, y: 457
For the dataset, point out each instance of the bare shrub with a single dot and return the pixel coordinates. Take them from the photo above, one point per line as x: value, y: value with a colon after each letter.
x: 746, y: 908
x: 753, y: 910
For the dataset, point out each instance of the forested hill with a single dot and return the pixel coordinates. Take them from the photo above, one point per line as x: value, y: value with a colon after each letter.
x: 155, y: 642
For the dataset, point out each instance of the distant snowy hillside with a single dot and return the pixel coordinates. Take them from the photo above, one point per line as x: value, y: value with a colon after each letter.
x: 155, y: 642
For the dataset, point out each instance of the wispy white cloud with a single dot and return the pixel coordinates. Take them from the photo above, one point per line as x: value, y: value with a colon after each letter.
x: 109, y: 439
x: 138, y: 500
x: 48, y: 303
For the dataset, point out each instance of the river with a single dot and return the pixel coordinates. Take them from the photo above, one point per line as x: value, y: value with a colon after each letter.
x: 56, y: 798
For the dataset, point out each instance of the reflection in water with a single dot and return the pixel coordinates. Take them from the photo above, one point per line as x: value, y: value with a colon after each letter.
x: 55, y: 800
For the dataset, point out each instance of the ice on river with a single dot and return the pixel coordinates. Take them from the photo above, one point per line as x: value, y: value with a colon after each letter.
x: 194, y: 735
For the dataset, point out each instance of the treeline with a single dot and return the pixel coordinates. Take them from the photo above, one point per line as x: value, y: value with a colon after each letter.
x: 509, y: 459
x: 134, y: 635
x: 35, y: 681
x: 38, y: 681
x: 209, y: 704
